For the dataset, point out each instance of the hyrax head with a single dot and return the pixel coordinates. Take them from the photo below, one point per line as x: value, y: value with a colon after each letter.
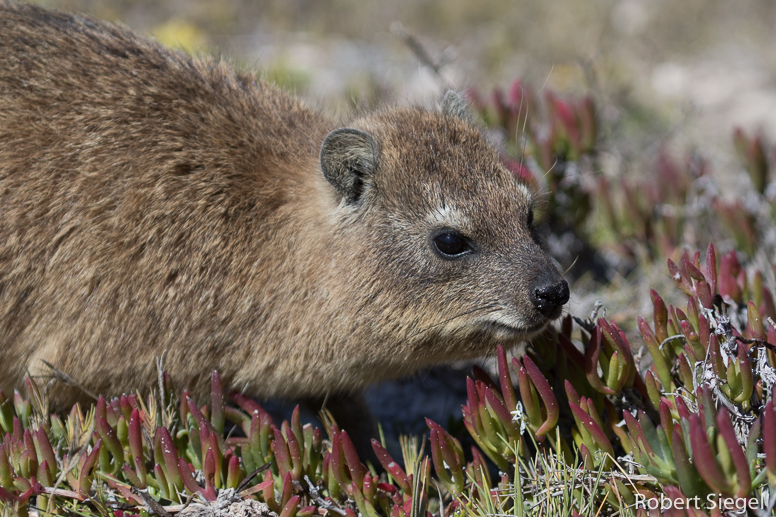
x: 442, y: 234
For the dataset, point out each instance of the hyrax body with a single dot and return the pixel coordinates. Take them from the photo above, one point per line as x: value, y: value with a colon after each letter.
x: 151, y: 201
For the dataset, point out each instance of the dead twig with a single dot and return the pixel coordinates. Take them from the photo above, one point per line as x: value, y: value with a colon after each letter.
x: 420, y: 52
x: 151, y: 503
x: 245, y: 482
x: 66, y: 379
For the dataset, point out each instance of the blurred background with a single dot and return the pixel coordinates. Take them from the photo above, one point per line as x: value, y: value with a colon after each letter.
x: 667, y: 83
x: 693, y: 68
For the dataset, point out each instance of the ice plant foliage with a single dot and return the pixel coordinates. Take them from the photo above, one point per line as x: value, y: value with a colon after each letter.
x: 698, y: 422
x: 604, y: 423
x: 686, y: 413
x: 124, y: 452
x: 552, y: 142
x: 753, y: 152
x: 652, y: 215
x: 546, y: 137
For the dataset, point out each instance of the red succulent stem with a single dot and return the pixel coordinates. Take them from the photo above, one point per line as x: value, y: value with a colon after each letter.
x: 769, y: 438
x: 704, y: 459
x: 497, y: 408
x: 170, y: 457
x: 45, y: 451
x: 233, y: 474
x: 592, y: 352
x: 209, y: 472
x: 593, y: 428
x: 393, y: 468
x: 188, y: 477
x: 745, y: 369
x: 295, y: 453
x: 290, y: 508
x: 507, y: 389
x: 86, y: 468
x: 357, y: 471
x: 217, y: 403
x: 725, y: 427
x: 548, y: 397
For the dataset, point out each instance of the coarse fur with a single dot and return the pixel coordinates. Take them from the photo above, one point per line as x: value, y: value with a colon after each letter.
x: 151, y: 201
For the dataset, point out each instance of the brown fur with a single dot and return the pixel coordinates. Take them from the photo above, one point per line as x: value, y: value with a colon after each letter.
x: 150, y: 201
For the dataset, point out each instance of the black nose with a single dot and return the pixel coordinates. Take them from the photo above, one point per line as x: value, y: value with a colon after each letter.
x: 547, y: 298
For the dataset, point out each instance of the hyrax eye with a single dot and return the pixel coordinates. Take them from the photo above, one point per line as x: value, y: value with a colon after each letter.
x: 530, y: 219
x: 451, y: 244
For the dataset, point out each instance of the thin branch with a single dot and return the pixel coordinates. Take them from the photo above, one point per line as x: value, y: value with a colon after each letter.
x: 420, y: 51
x: 66, y: 379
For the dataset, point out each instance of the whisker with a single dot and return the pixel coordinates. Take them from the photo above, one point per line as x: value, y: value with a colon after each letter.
x: 518, y: 150
x: 551, y: 167
x: 490, y: 306
x: 542, y: 192
x: 524, y: 140
x: 548, y: 77
x: 572, y: 265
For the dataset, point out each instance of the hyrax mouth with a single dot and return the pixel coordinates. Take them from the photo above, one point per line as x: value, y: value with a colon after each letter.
x: 548, y: 300
x: 501, y: 328
x: 525, y: 331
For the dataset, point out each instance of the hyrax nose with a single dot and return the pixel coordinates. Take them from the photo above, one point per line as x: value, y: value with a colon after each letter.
x: 548, y: 297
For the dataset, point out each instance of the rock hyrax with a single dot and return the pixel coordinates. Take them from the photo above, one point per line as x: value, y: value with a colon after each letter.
x: 152, y: 201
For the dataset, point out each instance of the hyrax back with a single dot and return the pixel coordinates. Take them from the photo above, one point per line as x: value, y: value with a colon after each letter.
x: 150, y: 201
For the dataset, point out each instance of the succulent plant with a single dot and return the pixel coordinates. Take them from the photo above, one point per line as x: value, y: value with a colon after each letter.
x: 544, y: 137
x: 699, y: 421
x: 116, y: 456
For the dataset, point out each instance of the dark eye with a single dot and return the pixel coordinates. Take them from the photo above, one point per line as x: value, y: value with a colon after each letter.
x: 530, y: 216
x: 451, y: 244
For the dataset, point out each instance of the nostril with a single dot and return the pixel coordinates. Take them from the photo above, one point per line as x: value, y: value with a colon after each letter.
x: 548, y: 297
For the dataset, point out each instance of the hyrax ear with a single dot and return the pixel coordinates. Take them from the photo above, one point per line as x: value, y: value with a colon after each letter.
x: 454, y: 104
x: 348, y: 158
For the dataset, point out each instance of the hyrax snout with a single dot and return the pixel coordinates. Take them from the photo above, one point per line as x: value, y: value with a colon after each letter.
x: 150, y: 202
